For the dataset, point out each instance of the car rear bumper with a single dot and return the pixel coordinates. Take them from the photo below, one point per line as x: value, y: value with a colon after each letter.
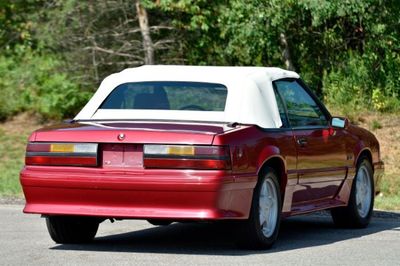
x: 164, y: 194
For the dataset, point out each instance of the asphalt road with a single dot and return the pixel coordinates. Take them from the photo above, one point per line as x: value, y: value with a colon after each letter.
x: 303, y: 240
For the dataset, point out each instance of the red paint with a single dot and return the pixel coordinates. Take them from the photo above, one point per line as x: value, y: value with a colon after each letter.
x: 186, y: 163
x: 317, y: 175
x: 321, y: 164
x: 38, y: 147
x: 122, y: 155
x: 48, y: 160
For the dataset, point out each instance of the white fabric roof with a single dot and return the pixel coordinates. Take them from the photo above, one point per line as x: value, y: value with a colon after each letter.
x: 250, y: 97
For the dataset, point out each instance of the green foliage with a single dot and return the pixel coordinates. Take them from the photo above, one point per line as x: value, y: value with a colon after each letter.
x: 348, y: 84
x: 375, y: 125
x: 33, y: 82
x: 12, y: 159
x: 347, y: 51
x: 11, y: 88
x: 53, y: 53
x: 18, y: 21
x: 389, y: 199
x: 97, y: 38
x: 360, y: 85
x: 200, y: 27
x: 59, y: 97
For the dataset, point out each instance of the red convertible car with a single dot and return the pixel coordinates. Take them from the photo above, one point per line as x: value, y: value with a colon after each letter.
x: 184, y: 143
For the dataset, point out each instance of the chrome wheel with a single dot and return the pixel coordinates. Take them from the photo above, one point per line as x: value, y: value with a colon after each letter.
x: 268, y: 207
x: 358, y: 212
x: 261, y: 230
x: 363, y: 191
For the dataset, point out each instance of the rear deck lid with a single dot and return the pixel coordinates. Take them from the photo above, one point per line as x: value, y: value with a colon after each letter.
x: 132, y: 132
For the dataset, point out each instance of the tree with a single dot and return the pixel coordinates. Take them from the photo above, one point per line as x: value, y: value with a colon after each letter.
x: 18, y: 23
x: 347, y: 51
x: 101, y: 37
x: 145, y: 30
x: 320, y: 39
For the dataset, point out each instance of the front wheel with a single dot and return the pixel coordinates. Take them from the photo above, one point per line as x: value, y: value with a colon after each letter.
x: 358, y: 212
x: 72, y: 229
x: 261, y: 229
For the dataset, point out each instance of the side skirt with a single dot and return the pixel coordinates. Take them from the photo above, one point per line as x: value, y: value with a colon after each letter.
x: 314, y: 206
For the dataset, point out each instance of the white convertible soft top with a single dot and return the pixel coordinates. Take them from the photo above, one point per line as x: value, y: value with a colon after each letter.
x: 250, y: 99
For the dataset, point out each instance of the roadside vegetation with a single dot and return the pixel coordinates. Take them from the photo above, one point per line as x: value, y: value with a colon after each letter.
x: 53, y: 54
x: 386, y: 127
x: 13, y: 138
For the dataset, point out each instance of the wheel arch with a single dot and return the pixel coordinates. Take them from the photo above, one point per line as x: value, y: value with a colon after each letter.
x: 365, y: 152
x: 277, y: 163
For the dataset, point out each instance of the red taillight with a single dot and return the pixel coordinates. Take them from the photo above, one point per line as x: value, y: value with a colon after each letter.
x: 68, y: 154
x: 186, y: 157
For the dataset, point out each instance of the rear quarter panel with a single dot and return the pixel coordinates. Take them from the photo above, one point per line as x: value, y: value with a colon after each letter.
x: 251, y: 147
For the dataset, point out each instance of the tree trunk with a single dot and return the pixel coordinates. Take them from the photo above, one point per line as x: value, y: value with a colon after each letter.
x: 145, y: 30
x: 286, y: 52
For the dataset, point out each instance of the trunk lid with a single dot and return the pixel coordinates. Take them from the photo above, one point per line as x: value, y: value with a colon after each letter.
x: 121, y: 144
x: 128, y: 132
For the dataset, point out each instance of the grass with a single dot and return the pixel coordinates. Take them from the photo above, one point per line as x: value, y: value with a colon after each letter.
x: 386, y: 127
x: 13, y: 137
x: 389, y: 199
x: 388, y: 134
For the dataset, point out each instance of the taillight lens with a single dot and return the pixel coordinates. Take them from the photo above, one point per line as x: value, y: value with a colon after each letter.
x: 186, y: 157
x: 70, y: 154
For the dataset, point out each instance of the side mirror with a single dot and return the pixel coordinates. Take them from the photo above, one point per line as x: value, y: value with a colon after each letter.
x: 339, y: 122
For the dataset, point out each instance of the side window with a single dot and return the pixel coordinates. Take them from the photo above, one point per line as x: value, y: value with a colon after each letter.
x: 281, y: 108
x: 302, y: 110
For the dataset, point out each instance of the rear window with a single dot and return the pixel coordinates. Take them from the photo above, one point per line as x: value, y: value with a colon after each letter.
x: 197, y: 96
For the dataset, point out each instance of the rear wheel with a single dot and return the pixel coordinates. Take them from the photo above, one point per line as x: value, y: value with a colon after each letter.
x: 72, y: 229
x: 261, y: 229
x: 357, y: 214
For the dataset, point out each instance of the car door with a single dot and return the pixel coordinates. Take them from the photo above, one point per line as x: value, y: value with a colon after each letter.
x: 321, y: 150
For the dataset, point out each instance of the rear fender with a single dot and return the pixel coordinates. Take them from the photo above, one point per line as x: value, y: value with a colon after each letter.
x: 270, y: 154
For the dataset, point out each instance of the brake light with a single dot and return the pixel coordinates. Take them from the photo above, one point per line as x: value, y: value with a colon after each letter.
x: 70, y: 154
x: 186, y: 157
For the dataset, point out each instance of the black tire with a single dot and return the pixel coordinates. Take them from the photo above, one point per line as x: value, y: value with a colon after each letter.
x: 351, y: 216
x: 72, y: 229
x: 160, y: 222
x: 251, y: 235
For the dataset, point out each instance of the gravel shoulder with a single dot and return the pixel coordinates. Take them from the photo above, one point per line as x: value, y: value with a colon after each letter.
x: 12, y: 201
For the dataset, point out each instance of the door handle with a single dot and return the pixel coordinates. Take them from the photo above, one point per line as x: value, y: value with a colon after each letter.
x: 302, y: 142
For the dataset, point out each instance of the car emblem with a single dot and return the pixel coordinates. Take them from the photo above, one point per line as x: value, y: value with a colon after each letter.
x: 121, y: 136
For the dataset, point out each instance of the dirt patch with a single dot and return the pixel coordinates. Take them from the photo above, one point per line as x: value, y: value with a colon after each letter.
x: 21, y: 123
x: 386, y: 128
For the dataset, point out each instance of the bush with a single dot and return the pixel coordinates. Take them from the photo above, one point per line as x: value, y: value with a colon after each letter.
x: 362, y: 84
x: 36, y: 83
x: 9, y: 103
x: 348, y: 85
x: 58, y: 97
